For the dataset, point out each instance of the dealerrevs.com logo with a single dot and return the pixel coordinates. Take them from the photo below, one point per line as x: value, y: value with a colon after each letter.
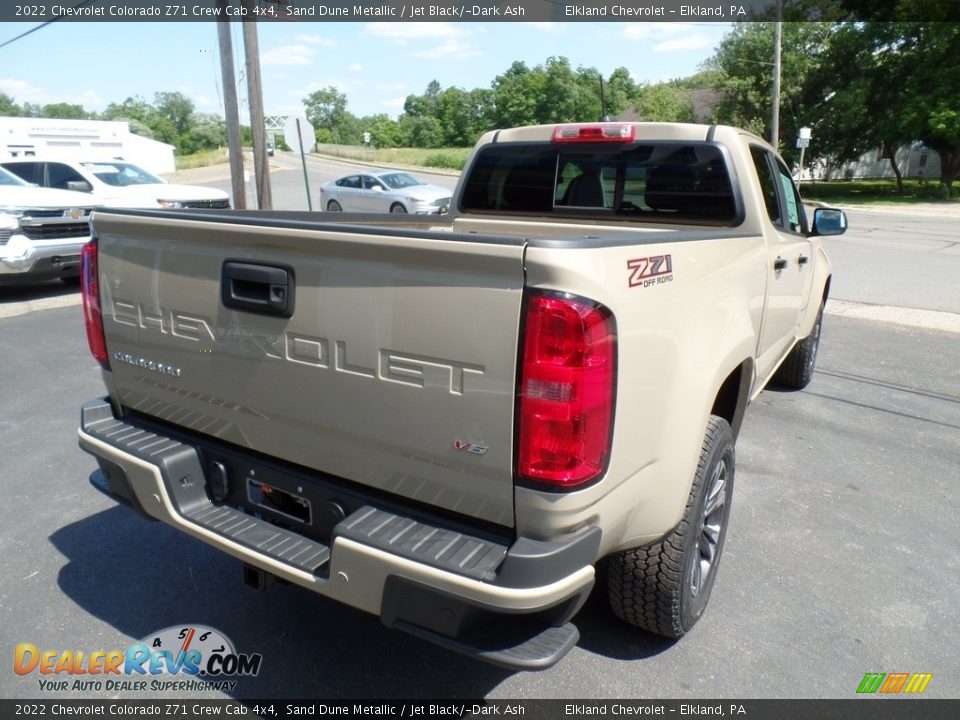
x: 183, y: 658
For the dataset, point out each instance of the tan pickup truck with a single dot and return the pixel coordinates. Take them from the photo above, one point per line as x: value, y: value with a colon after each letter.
x: 451, y: 422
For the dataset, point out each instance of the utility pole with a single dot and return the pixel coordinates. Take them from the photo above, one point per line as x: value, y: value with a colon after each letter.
x: 231, y: 109
x: 255, y: 93
x: 775, y: 120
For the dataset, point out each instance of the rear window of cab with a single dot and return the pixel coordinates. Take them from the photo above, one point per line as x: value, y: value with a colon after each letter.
x: 656, y: 182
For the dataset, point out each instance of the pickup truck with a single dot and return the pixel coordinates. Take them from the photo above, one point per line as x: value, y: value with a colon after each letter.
x: 41, y: 231
x: 451, y: 422
x: 114, y: 183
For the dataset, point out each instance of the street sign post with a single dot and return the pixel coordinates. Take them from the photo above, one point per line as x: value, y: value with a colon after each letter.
x: 803, y: 142
x: 301, y: 137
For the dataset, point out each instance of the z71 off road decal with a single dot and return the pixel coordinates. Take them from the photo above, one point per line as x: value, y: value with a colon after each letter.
x: 652, y: 270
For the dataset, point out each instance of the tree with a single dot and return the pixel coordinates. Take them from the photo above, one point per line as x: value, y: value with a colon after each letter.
x: 206, y: 132
x: 884, y: 85
x: 927, y: 60
x: 742, y: 68
x: 175, y: 107
x: 133, y: 108
x: 384, y: 131
x: 665, y: 103
x: 516, y: 94
x: 325, y: 108
x: 8, y: 106
x: 422, y: 131
x: 65, y: 111
x: 621, y: 91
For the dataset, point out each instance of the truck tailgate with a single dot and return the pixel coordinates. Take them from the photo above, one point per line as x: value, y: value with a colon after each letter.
x: 396, y: 368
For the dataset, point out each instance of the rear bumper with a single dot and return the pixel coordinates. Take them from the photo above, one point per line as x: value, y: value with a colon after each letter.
x: 506, y: 602
x: 20, y: 256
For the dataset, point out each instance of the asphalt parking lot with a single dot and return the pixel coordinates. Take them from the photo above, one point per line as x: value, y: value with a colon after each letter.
x: 841, y: 557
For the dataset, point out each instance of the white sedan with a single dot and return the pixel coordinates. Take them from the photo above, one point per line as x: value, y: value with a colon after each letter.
x: 384, y: 191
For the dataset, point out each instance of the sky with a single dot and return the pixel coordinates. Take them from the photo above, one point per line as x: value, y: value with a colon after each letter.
x: 377, y: 65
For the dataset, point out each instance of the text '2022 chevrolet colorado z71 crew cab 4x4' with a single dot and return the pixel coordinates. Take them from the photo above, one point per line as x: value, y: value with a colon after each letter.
x: 449, y: 422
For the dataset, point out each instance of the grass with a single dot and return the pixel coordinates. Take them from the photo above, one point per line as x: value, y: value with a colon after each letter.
x: 204, y: 158
x: 450, y: 158
x: 866, y: 192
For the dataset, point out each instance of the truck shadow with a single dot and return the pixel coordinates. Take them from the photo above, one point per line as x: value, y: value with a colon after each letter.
x: 141, y: 577
x: 603, y: 633
x: 26, y: 292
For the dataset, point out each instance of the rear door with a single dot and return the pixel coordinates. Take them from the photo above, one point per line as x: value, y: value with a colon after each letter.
x: 394, y: 369
x: 350, y: 194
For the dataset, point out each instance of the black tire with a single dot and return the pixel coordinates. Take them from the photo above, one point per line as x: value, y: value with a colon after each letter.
x: 71, y: 280
x: 796, y: 372
x: 334, y: 206
x: 664, y: 587
x: 398, y: 209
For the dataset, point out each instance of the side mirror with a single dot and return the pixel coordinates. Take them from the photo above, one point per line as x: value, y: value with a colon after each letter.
x: 79, y: 186
x: 377, y: 188
x: 829, y: 221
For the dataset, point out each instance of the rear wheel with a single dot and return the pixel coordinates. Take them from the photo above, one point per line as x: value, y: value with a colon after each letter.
x: 398, y: 209
x: 333, y: 206
x: 664, y: 587
x: 796, y: 372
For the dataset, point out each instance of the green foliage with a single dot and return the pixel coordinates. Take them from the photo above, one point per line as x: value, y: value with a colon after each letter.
x: 857, y: 192
x: 384, y: 131
x: 176, y: 108
x: 420, y: 131
x: 939, y: 191
x: 742, y: 69
x: 171, y: 120
x: 65, y: 111
x: 206, y: 132
x: 445, y: 160
x: 133, y: 108
x: 8, y: 106
x: 894, y: 83
x: 665, y: 103
x: 327, y: 112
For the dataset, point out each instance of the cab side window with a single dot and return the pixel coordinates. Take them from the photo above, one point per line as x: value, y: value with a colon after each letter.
x: 58, y: 175
x: 31, y: 172
x: 796, y: 218
x: 768, y: 184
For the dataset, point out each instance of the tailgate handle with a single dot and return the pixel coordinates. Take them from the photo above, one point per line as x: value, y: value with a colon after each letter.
x: 257, y: 288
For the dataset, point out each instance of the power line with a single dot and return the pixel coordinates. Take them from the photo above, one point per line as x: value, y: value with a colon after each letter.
x: 48, y: 22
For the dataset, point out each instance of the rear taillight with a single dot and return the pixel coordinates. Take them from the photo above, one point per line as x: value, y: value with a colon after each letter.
x: 92, y: 317
x: 567, y: 390
x: 597, y: 132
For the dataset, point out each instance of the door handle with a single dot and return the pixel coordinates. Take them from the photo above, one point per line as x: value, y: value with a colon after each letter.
x: 803, y: 260
x: 779, y: 263
x: 257, y: 288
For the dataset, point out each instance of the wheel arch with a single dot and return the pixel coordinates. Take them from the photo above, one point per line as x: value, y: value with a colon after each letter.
x: 730, y: 401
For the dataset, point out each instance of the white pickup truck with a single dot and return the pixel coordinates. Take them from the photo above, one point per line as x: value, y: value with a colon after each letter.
x: 114, y: 183
x: 41, y: 231
x: 451, y: 422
